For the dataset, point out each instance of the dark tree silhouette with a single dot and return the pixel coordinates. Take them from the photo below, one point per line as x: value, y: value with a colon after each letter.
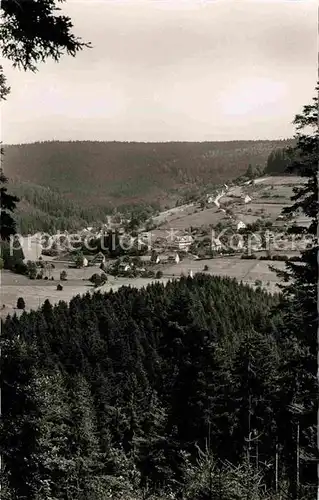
x: 33, y: 31
x: 8, y: 205
x: 30, y: 32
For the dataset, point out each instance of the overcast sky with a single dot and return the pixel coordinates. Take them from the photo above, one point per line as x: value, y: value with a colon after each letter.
x: 163, y: 70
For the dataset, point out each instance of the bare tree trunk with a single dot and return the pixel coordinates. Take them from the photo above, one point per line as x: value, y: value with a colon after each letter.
x: 249, y: 430
x: 276, y: 466
x: 298, y: 462
x: 318, y: 307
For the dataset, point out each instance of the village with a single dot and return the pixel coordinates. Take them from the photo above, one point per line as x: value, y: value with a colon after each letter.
x: 223, y: 233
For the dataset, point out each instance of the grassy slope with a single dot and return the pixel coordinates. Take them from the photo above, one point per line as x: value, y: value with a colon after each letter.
x: 116, y: 172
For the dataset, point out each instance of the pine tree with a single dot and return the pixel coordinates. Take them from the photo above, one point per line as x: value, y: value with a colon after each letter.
x: 8, y: 205
x: 300, y: 295
x: 33, y: 31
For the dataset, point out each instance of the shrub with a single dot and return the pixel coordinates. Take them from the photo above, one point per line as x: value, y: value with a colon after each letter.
x: 63, y: 275
x: 32, y: 270
x: 295, y: 258
x: 159, y: 274
x: 206, y: 267
x: 20, y: 303
x: 103, y: 278
x: 258, y: 283
x: 252, y: 256
x: 97, y: 279
x: 20, y: 268
x: 59, y: 287
x: 280, y: 257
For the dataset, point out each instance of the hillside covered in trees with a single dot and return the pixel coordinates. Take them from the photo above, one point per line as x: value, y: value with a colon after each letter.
x: 117, y: 173
x: 180, y: 390
x: 277, y: 162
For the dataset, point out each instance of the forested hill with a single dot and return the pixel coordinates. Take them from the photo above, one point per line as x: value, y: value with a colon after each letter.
x: 114, y: 395
x: 131, y: 172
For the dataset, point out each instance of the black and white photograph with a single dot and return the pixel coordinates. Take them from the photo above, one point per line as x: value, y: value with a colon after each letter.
x: 159, y: 250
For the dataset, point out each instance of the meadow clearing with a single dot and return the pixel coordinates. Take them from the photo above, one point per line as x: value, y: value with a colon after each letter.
x: 35, y: 292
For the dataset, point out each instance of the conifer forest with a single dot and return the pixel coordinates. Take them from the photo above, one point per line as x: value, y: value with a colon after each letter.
x: 200, y: 389
x: 203, y: 388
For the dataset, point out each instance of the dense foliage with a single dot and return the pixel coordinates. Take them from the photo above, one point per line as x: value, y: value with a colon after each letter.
x: 123, y: 172
x: 44, y: 209
x: 113, y: 394
x: 47, y: 210
x: 30, y: 32
x: 277, y: 162
x: 8, y: 204
x: 301, y: 292
x: 33, y: 31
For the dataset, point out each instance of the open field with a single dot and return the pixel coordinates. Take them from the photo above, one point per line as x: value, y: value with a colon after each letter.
x: 202, y: 217
x: 280, y: 180
x: 36, y: 292
x: 269, y: 196
x: 271, y: 210
x: 247, y: 271
x: 174, y: 213
x: 179, y: 219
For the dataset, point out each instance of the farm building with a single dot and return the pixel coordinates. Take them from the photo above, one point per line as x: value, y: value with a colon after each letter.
x: 124, y: 266
x: 171, y: 257
x: 240, y: 225
x: 184, y: 242
x: 145, y: 258
x: 216, y: 244
x: 155, y: 259
x: 99, y: 258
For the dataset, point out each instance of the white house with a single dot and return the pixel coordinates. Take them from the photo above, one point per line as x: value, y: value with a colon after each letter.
x: 85, y: 262
x: 123, y: 266
x: 99, y: 258
x: 241, y: 244
x: 247, y: 199
x: 216, y: 244
x: 184, y: 242
x: 190, y: 274
x: 240, y: 225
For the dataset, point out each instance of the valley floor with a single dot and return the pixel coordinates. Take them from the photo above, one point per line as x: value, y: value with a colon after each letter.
x: 35, y: 293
